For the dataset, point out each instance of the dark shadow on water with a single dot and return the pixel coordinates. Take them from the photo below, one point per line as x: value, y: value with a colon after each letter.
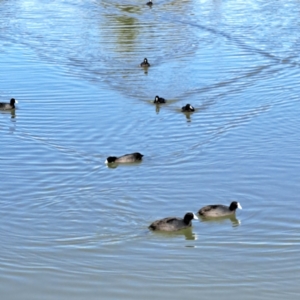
x: 187, y: 233
x: 115, y: 165
x: 188, y: 116
x: 145, y: 70
x: 222, y: 220
x: 11, y: 112
x: 157, y: 108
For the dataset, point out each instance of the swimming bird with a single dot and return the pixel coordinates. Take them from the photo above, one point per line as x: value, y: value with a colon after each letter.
x: 8, y: 106
x: 219, y: 210
x: 149, y: 3
x: 127, y: 158
x: 187, y: 108
x: 159, y: 100
x: 174, y: 223
x: 145, y: 63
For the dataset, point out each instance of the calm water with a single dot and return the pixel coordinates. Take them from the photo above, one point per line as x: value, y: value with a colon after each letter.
x: 70, y: 227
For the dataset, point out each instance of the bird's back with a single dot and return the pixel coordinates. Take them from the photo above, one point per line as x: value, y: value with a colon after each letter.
x: 169, y: 224
x: 217, y: 210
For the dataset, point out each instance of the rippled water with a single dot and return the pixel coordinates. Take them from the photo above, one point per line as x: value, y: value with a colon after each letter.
x: 72, y: 228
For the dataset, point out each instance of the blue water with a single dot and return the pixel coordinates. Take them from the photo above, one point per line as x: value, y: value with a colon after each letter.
x: 71, y: 227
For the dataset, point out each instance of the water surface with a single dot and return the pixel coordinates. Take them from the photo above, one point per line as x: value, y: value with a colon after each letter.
x: 72, y: 227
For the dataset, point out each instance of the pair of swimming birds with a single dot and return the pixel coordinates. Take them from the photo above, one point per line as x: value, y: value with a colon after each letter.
x: 209, y: 211
x: 187, y: 108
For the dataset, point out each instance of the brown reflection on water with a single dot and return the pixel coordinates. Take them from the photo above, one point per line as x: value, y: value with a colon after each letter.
x: 124, y: 28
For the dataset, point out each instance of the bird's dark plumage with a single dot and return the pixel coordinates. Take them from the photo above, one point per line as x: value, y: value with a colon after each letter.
x: 188, y: 108
x: 173, y: 223
x: 8, y: 106
x: 127, y: 158
x: 150, y: 3
x: 145, y: 63
x: 159, y: 100
x: 219, y: 210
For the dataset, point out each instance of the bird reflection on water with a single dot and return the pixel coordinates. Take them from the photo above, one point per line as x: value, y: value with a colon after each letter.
x: 234, y: 221
x: 187, y: 233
